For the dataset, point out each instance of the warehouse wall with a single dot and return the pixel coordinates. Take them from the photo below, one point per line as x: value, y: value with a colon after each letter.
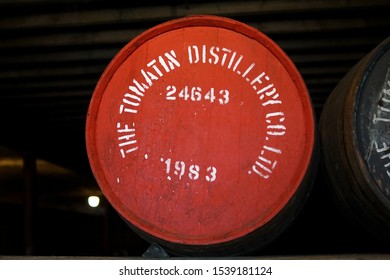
x: 52, y: 54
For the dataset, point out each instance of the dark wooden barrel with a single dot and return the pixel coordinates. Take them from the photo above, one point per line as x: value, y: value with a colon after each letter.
x: 355, y: 135
x: 201, y: 134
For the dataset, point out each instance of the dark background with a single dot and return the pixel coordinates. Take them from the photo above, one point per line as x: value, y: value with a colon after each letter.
x: 52, y: 54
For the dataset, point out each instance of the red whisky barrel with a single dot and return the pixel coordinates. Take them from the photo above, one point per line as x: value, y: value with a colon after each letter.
x: 201, y: 134
x: 355, y: 133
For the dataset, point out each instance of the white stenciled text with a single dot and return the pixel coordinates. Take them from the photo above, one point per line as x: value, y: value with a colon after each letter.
x: 126, y: 139
x: 179, y: 169
x: 197, y: 94
x: 384, y: 150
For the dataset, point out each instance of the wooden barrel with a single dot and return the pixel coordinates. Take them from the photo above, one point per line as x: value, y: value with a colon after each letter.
x: 355, y: 134
x: 201, y: 134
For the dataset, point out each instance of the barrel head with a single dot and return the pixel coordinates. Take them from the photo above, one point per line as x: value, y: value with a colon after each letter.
x: 200, y: 131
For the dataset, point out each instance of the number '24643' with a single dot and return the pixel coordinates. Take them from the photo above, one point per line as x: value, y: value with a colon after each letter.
x: 198, y: 94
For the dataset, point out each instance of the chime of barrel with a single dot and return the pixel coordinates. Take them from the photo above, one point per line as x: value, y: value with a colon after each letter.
x: 355, y: 133
x: 201, y: 134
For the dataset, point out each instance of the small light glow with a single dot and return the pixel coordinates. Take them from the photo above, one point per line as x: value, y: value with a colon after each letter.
x: 93, y: 201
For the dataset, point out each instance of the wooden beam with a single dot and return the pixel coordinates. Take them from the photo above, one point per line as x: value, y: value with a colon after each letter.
x: 163, y: 12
